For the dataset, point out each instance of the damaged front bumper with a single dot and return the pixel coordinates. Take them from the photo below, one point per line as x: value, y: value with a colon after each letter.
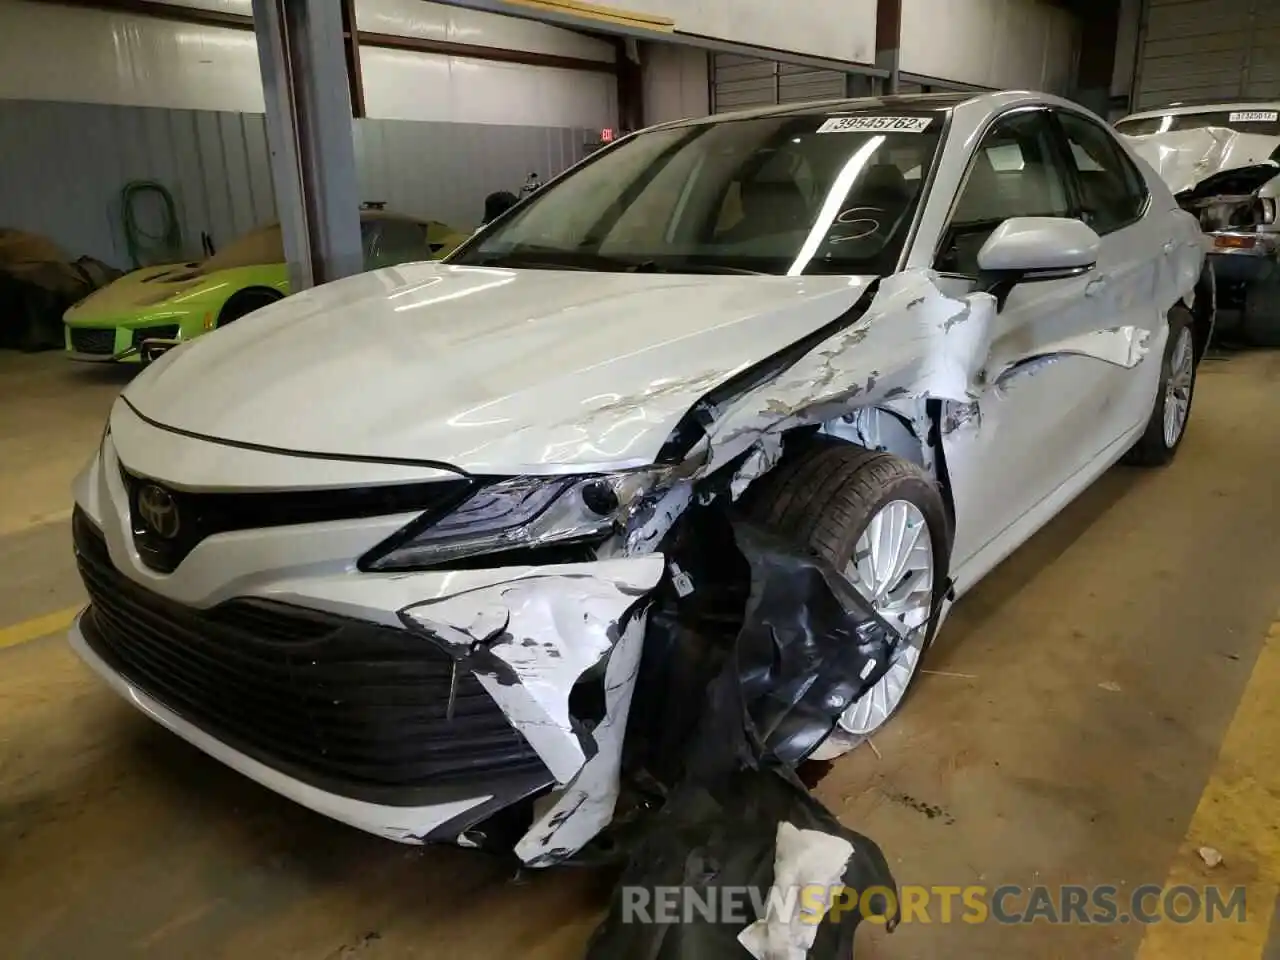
x: 415, y: 822
x: 484, y: 707
x: 421, y: 731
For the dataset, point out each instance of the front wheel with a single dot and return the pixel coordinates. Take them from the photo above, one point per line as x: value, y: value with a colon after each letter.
x: 881, y: 521
x: 1172, y: 409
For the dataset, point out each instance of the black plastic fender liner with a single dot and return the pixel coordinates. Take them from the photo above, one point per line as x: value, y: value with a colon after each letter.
x: 742, y: 705
x: 768, y: 650
x: 713, y: 840
x: 809, y: 646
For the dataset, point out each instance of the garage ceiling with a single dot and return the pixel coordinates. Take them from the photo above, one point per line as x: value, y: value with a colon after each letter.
x: 1208, y: 50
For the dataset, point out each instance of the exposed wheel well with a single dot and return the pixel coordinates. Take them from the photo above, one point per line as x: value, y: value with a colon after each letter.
x: 876, y: 428
x: 246, y: 301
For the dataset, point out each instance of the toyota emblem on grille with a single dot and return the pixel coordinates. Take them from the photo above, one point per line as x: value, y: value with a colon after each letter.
x: 157, y: 509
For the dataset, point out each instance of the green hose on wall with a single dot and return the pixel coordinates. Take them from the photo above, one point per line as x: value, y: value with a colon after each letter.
x: 146, y: 248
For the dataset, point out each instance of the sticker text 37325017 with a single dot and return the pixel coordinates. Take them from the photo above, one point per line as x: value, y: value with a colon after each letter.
x: 875, y: 124
x: 1253, y: 116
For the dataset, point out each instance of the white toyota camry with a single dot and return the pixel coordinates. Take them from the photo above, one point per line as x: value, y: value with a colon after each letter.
x: 447, y: 547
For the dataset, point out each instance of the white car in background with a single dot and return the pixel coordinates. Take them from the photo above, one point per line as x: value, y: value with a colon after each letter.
x: 1222, y: 162
x: 442, y: 543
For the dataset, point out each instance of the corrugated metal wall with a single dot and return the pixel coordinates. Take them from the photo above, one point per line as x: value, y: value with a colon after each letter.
x: 739, y: 83
x: 445, y: 170
x: 63, y: 165
x: 1208, y: 50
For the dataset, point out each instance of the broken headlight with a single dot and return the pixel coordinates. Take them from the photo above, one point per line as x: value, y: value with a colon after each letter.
x: 1267, y: 210
x: 515, y: 513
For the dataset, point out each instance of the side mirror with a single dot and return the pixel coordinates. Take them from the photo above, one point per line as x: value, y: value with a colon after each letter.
x: 1029, y: 249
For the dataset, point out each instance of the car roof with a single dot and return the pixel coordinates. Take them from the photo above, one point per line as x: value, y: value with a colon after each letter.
x: 906, y: 101
x: 972, y: 107
x: 966, y: 113
x: 1183, y: 107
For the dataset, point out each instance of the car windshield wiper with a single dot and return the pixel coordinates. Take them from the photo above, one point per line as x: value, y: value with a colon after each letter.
x: 652, y: 266
x: 554, y: 258
x: 516, y: 260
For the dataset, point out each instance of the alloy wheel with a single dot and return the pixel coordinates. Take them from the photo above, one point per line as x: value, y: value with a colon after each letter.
x: 1177, y: 391
x: 893, y: 569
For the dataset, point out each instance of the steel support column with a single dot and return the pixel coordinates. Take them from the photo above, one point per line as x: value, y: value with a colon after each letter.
x: 313, y: 163
x: 889, y: 40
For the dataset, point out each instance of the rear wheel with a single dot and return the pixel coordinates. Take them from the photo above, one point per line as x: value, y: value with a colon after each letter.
x: 1172, y: 410
x: 881, y: 521
x: 244, y: 303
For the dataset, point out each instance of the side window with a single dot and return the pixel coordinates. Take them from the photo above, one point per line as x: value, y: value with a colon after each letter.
x: 1014, y: 172
x: 1112, y: 192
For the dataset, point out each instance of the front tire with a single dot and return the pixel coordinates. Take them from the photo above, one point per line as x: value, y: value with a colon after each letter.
x: 881, y: 521
x: 1172, y: 410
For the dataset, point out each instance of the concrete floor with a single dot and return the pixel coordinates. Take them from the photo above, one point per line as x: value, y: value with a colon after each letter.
x: 1069, y: 729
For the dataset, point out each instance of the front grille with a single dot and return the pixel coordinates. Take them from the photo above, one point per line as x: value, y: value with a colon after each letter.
x: 93, y: 340
x: 201, y: 515
x: 354, y: 708
x: 166, y: 331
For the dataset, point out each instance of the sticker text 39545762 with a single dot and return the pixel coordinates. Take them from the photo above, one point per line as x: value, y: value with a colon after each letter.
x: 875, y: 124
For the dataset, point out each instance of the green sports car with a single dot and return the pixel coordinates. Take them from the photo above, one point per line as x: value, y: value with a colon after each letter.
x: 180, y: 301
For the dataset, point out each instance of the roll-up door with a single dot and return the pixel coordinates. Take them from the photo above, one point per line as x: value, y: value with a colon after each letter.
x: 798, y: 83
x: 1208, y: 50
x: 739, y: 83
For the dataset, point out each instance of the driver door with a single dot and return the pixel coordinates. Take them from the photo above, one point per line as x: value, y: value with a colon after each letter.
x: 1022, y: 441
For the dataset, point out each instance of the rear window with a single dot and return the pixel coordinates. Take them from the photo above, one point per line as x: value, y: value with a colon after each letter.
x: 1245, y: 120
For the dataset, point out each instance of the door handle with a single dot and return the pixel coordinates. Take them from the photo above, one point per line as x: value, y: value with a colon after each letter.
x: 1096, y: 286
x: 1169, y: 246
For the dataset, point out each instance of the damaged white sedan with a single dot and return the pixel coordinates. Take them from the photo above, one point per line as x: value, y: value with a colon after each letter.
x: 1222, y: 162
x: 674, y: 467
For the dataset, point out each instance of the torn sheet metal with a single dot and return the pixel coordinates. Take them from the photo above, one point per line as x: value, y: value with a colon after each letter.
x: 914, y: 340
x: 529, y: 640
x: 1183, y: 158
x: 1120, y: 346
x: 957, y: 416
x: 586, y: 805
x: 651, y: 521
x: 803, y: 859
x: 762, y: 458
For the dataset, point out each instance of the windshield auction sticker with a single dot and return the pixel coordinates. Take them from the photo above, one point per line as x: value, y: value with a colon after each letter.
x: 1254, y: 116
x: 866, y: 124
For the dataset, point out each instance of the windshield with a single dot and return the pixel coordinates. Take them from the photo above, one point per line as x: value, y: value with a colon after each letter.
x: 263, y: 245
x: 385, y: 239
x: 776, y: 195
x: 1265, y: 122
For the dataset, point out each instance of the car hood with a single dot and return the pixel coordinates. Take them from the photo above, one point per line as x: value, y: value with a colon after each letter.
x: 1183, y: 158
x: 488, y: 370
x: 141, y: 290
